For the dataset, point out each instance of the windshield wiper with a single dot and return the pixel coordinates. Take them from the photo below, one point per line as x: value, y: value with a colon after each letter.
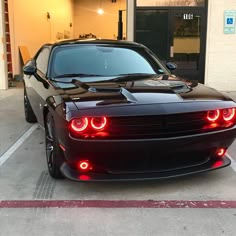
x: 76, y: 75
x: 75, y: 82
x: 134, y: 76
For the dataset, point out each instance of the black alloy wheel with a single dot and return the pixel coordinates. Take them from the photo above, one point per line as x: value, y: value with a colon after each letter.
x: 53, y: 151
x: 29, y: 113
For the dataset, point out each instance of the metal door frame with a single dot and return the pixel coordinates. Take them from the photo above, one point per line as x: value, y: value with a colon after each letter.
x: 171, y: 10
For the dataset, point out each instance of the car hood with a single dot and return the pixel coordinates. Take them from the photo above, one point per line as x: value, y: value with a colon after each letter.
x: 145, y: 91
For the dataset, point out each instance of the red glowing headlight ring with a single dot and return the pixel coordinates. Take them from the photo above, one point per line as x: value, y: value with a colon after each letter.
x: 215, y: 117
x: 87, y: 125
x: 226, y: 115
x: 102, y: 124
x: 82, y: 127
x: 230, y: 117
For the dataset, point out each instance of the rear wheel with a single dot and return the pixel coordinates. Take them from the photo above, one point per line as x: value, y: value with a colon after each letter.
x: 29, y: 113
x: 53, y: 151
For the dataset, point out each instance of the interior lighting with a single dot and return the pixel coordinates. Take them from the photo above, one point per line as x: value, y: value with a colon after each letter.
x: 100, y: 11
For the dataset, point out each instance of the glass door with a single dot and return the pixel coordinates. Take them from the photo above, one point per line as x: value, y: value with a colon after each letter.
x: 152, y: 30
x: 175, y: 34
x: 186, y: 44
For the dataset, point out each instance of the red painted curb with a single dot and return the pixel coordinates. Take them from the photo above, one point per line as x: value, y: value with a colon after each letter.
x: 115, y: 204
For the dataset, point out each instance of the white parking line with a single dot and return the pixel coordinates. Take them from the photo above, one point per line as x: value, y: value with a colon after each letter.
x: 233, y: 162
x: 17, y: 144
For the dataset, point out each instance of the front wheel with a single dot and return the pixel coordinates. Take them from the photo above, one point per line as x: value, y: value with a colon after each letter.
x: 53, y: 151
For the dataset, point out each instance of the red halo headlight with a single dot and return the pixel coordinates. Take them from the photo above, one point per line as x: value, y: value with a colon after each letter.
x: 99, y: 123
x: 228, y: 114
x: 79, y: 124
x: 213, y: 116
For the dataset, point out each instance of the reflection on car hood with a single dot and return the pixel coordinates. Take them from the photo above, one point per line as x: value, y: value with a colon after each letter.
x: 145, y: 91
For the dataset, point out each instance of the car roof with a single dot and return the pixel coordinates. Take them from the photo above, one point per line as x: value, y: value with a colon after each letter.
x: 94, y: 42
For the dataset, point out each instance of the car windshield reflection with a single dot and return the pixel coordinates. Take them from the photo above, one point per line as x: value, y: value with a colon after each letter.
x: 101, y: 61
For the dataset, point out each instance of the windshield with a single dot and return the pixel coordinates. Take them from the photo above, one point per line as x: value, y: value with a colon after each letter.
x: 102, y: 61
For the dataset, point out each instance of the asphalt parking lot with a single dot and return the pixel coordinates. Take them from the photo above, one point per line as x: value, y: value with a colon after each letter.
x: 31, y: 203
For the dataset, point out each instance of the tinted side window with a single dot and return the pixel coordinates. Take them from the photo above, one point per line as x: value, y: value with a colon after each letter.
x: 42, y: 60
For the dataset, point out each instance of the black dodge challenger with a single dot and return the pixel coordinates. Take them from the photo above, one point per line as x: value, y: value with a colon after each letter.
x: 112, y: 111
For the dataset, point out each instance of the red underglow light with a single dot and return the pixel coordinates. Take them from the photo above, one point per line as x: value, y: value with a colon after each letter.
x: 84, y: 177
x: 228, y: 114
x: 213, y: 116
x: 79, y: 124
x: 99, y: 123
x: 217, y: 164
x: 84, y: 165
x: 220, y: 152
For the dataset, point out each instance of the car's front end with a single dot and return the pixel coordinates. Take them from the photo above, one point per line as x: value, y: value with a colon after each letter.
x: 176, y: 134
x: 112, y: 111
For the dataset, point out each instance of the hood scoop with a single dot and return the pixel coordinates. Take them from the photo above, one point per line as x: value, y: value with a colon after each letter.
x: 124, y: 92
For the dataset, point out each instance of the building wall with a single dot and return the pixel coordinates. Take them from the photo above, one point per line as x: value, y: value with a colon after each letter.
x: 220, y: 70
x: 30, y: 27
x: 87, y: 20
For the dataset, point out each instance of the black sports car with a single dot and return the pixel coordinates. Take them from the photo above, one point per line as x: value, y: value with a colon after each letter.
x: 112, y: 111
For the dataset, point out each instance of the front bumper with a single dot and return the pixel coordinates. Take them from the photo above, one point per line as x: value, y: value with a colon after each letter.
x: 119, y: 160
x: 212, y: 164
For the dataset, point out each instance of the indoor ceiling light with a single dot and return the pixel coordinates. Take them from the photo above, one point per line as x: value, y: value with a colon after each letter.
x: 100, y: 11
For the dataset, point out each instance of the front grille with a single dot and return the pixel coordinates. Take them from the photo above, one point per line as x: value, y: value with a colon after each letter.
x: 157, y: 126
x: 153, y: 163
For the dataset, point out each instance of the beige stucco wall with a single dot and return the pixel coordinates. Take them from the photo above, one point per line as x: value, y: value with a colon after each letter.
x: 104, y: 26
x: 221, y: 48
x: 30, y: 27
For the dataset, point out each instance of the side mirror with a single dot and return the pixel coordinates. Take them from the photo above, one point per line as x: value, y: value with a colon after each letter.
x: 171, y: 66
x: 30, y: 68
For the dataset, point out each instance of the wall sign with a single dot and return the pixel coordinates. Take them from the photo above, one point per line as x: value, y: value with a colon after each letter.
x: 229, y: 22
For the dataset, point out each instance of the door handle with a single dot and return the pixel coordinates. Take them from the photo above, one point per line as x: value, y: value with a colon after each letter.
x: 171, y: 51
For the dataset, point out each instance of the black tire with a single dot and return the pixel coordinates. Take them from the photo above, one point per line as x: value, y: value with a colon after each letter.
x: 53, y: 151
x: 29, y: 113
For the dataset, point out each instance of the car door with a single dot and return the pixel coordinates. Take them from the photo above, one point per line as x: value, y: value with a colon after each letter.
x: 37, y: 85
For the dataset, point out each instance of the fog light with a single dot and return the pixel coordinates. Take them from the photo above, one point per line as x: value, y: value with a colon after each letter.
x: 84, y: 165
x: 220, y: 152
